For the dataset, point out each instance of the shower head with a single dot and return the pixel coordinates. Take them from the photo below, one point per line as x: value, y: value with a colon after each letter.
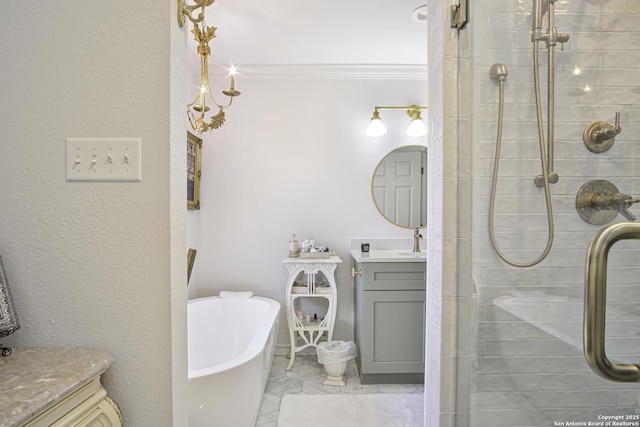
x: 498, y: 72
x: 538, y: 10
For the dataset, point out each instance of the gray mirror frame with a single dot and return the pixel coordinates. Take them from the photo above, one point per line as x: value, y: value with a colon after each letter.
x: 373, y: 196
x: 8, y: 318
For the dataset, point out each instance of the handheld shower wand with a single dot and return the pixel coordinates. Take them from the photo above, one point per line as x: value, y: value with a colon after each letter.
x: 538, y: 10
x: 548, y: 176
x: 499, y: 72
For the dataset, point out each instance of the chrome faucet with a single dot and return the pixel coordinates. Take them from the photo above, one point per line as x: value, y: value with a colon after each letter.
x: 416, y: 240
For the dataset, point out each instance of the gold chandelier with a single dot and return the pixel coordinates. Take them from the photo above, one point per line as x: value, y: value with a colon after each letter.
x: 203, y: 35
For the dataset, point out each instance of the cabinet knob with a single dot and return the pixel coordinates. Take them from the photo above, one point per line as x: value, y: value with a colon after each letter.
x: 354, y: 272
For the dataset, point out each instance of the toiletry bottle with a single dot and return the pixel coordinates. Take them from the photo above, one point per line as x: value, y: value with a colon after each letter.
x: 293, y: 246
x: 308, y: 317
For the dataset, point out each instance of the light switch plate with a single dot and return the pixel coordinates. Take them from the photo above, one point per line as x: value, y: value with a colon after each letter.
x: 104, y: 159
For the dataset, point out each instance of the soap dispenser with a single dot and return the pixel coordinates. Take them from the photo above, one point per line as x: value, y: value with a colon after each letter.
x: 294, y: 251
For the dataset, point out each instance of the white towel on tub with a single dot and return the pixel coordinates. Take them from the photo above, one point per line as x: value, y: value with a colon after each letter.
x: 232, y: 294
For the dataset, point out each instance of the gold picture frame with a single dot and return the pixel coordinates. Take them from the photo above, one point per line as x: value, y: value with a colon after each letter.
x: 194, y: 147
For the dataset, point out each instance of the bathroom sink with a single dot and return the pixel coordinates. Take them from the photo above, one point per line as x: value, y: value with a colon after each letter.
x: 414, y: 254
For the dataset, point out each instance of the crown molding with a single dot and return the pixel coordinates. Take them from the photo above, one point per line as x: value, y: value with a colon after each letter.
x: 333, y: 71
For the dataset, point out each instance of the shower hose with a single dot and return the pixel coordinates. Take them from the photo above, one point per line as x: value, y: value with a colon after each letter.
x: 547, y: 193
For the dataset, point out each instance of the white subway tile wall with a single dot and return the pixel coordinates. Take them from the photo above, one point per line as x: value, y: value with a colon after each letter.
x: 433, y: 373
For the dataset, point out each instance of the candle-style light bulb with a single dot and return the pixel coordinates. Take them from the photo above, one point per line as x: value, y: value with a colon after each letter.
x: 233, y: 70
x: 232, y: 73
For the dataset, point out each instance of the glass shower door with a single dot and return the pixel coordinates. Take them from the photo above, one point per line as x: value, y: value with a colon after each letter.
x: 529, y: 367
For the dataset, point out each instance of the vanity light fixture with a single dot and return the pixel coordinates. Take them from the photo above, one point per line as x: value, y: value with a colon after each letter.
x: 416, y: 129
x: 203, y: 35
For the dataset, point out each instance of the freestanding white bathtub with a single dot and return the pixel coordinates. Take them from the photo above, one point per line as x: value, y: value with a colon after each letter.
x: 231, y: 347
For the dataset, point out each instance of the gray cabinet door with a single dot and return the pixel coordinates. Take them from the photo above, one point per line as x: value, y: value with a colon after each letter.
x: 393, y: 331
x: 390, y: 314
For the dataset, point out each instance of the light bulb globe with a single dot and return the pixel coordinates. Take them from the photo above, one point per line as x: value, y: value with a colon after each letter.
x: 417, y: 128
x: 376, y: 128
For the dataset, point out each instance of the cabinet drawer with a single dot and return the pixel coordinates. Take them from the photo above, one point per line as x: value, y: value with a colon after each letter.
x: 405, y: 276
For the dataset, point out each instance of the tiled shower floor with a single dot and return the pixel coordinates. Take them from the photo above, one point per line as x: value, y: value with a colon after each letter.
x: 307, y: 377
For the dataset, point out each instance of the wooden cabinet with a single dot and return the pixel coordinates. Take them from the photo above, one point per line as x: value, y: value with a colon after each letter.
x: 390, y: 304
x: 87, y: 407
x: 56, y: 387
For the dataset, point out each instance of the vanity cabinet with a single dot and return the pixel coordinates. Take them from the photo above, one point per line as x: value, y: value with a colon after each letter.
x: 56, y: 387
x: 390, y: 305
x: 311, y: 283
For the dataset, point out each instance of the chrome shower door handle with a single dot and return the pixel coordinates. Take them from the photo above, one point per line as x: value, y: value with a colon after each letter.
x: 595, y: 300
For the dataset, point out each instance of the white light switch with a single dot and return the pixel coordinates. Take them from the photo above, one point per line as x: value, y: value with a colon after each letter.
x: 104, y: 159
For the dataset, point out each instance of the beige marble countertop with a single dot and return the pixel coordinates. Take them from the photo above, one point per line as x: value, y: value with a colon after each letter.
x: 34, y: 379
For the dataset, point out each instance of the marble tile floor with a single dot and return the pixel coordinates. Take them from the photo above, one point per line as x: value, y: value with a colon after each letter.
x: 307, y: 377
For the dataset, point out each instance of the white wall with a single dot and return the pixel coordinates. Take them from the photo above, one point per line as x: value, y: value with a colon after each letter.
x: 98, y: 264
x: 293, y: 157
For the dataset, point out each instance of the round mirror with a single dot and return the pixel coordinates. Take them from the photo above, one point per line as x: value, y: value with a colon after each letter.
x: 399, y: 186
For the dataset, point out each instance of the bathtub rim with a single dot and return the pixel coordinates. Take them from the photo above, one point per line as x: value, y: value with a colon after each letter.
x: 256, y: 345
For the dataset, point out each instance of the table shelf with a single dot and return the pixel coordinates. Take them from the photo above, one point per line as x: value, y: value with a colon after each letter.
x: 311, y: 272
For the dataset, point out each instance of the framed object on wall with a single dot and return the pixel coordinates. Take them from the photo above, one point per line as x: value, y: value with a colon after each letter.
x: 194, y: 146
x: 8, y: 319
x: 191, y: 259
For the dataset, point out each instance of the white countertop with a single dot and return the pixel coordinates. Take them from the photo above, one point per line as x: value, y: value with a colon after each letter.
x: 378, y: 255
x: 333, y: 259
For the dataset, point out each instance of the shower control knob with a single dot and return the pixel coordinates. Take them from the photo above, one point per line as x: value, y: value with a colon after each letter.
x: 599, y: 136
x: 599, y: 201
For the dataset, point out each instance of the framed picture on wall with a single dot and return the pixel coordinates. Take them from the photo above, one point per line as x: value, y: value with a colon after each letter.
x: 194, y: 146
x: 8, y: 319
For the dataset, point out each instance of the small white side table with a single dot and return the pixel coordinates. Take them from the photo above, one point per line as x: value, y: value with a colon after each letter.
x: 306, y: 271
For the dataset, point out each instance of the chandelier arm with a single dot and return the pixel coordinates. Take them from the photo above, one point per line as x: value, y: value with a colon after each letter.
x: 220, y: 105
x: 191, y: 118
x: 186, y: 10
x: 194, y: 100
x: 204, y: 82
